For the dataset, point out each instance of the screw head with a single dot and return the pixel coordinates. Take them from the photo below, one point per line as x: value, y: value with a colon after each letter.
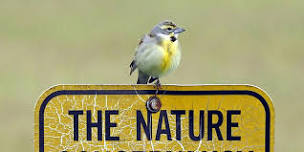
x: 153, y: 104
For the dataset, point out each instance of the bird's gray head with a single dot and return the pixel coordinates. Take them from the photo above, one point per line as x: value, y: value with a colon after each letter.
x: 166, y: 30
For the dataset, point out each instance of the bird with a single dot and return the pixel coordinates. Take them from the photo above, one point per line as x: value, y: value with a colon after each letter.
x: 158, y: 53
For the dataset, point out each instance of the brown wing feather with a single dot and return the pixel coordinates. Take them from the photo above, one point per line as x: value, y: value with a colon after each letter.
x: 141, y: 41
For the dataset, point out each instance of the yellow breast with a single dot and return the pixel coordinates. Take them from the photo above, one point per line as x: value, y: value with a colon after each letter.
x: 170, y: 49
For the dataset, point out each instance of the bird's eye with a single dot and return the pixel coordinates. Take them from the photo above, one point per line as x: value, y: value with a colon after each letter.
x: 169, y: 28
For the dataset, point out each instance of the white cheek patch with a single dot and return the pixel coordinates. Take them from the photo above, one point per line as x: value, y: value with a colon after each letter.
x: 163, y: 36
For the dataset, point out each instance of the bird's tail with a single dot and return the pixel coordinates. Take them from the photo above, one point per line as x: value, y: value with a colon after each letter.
x: 142, y: 78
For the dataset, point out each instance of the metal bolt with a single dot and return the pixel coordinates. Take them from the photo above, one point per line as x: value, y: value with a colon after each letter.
x: 153, y: 104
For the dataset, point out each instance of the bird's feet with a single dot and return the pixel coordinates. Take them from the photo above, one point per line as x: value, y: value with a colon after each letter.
x: 157, y: 86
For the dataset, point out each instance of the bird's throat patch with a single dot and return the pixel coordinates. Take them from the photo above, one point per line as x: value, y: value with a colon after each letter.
x: 169, y: 49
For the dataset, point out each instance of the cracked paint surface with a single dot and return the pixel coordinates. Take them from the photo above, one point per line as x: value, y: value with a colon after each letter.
x: 58, y: 124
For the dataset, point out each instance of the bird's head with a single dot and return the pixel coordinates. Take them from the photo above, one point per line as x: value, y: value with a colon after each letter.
x: 166, y: 30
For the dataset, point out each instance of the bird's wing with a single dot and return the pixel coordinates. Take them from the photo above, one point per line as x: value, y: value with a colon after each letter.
x: 133, y: 65
x: 144, y: 39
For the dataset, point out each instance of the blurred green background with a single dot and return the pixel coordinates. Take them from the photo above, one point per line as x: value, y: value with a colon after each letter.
x: 44, y: 43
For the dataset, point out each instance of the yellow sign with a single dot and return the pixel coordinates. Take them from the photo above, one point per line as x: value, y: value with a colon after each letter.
x: 95, y: 118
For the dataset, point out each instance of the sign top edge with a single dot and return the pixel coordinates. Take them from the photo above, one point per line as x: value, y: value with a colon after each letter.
x: 167, y: 87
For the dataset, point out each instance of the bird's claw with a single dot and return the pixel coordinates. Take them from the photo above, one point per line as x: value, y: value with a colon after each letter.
x: 157, y: 86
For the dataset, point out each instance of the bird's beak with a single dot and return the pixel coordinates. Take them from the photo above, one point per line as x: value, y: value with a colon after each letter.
x: 179, y: 30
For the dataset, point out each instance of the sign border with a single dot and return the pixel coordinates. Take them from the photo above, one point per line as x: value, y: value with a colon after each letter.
x: 152, y: 92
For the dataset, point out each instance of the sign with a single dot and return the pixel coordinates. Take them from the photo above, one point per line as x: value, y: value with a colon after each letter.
x: 95, y: 118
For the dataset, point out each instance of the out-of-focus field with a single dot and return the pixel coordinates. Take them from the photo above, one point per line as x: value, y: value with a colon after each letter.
x: 44, y: 43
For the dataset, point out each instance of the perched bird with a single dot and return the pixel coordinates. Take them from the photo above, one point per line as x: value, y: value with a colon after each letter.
x: 158, y: 53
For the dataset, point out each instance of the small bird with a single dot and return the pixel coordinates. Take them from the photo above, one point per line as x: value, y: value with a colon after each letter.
x: 158, y: 53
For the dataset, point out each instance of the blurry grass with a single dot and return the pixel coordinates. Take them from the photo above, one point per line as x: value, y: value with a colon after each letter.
x: 54, y: 42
